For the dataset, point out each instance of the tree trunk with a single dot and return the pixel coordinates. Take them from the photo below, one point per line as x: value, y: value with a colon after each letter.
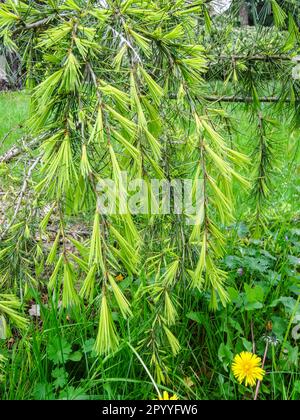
x: 244, y: 14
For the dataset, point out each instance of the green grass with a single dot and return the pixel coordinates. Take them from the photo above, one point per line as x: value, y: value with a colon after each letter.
x: 14, y: 109
x: 54, y: 358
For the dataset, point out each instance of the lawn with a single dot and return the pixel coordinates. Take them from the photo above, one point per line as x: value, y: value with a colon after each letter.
x: 14, y: 108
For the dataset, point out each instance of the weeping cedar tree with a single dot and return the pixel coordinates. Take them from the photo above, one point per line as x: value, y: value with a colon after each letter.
x: 122, y: 86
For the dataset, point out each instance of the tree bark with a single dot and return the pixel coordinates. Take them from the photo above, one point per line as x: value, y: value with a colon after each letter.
x: 244, y: 14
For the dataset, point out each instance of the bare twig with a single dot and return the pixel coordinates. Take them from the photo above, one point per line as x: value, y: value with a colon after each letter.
x: 258, y: 57
x: 263, y: 365
x: 33, y: 25
x: 38, y: 23
x: 240, y: 99
x: 15, y: 151
x: 244, y: 99
x: 21, y: 195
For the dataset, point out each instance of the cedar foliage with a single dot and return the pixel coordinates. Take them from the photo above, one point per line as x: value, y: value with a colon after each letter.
x: 122, y: 86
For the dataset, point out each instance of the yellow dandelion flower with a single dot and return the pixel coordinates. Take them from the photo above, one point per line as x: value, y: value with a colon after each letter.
x: 166, y: 396
x: 247, y: 366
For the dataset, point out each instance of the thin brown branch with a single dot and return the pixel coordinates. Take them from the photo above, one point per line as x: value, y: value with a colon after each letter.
x: 243, y: 99
x: 240, y: 99
x: 20, y: 198
x: 38, y: 23
x: 263, y: 365
x: 16, y: 151
x: 258, y: 57
x: 33, y: 25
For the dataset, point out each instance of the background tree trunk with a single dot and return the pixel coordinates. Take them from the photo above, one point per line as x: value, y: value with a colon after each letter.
x: 244, y: 14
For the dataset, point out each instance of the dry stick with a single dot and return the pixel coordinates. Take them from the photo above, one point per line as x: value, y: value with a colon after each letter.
x: 258, y: 57
x: 15, y: 151
x: 38, y: 23
x: 263, y: 364
x: 243, y: 99
x: 33, y: 25
x: 240, y: 99
x: 21, y: 195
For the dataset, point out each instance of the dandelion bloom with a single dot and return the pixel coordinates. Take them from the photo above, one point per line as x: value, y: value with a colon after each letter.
x: 247, y: 366
x: 166, y: 396
x: 120, y: 277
